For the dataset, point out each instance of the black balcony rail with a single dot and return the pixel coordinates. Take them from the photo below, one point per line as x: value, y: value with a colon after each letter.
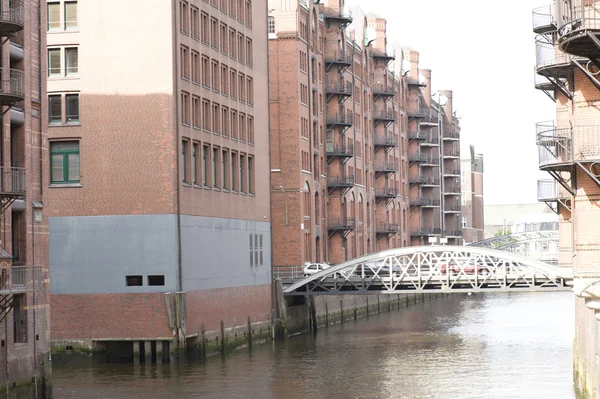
x: 383, y: 114
x: 451, y: 190
x: 339, y: 150
x: 341, y: 181
x: 386, y: 192
x: 452, y: 153
x: 432, y: 160
x: 341, y: 88
x: 417, y: 156
x: 426, y: 231
x: 20, y: 279
x: 450, y: 135
x: 386, y: 228
x: 417, y: 109
x: 586, y: 143
x: 343, y: 13
x: 384, y: 89
x: 414, y: 82
x: 451, y: 172
x: 578, y: 21
x: 418, y: 135
x: 423, y: 180
x: 554, y: 145
x: 340, y: 118
x: 12, y: 16
x: 338, y: 57
x: 543, y: 19
x: 549, y: 60
x: 343, y: 223
x: 12, y: 86
x: 386, y: 166
x: 452, y: 233
x: 385, y: 141
x: 431, y: 139
x: 424, y: 202
x: 384, y: 55
x: 12, y: 181
x: 452, y: 208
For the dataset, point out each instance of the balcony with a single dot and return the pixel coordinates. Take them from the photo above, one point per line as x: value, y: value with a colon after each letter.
x: 431, y: 161
x: 419, y: 135
x: 12, y: 182
x: 578, y: 24
x: 12, y: 86
x: 542, y: 83
x: 417, y: 157
x: 383, y: 115
x: 451, y: 172
x: 20, y: 279
x: 339, y: 119
x: 424, y: 202
x: 543, y: 19
x: 431, y: 140
x: 386, y: 166
x: 417, y: 110
x: 384, y: 90
x: 382, y: 55
x: 550, y: 191
x: 452, y: 233
x: 338, y: 57
x: 12, y: 16
x: 338, y: 88
x: 426, y: 231
x: 423, y: 180
x: 451, y: 190
x: 411, y: 82
x: 554, y: 146
x: 550, y: 61
x: 339, y: 150
x: 452, y: 208
x: 451, y: 136
x: 340, y: 181
x: 386, y: 192
x: 341, y: 14
x: 452, y: 153
x: 386, y: 228
x: 341, y: 224
x: 385, y: 141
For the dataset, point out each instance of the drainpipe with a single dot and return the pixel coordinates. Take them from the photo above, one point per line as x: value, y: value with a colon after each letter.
x: 177, y: 142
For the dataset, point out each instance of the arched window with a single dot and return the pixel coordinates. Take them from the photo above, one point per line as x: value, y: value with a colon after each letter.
x: 317, y: 209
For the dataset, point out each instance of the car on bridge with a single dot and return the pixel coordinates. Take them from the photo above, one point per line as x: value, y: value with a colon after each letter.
x: 313, y: 268
x: 468, y: 266
x: 371, y: 269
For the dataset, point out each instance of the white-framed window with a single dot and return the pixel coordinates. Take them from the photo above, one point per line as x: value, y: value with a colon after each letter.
x: 463, y: 198
x: 464, y: 222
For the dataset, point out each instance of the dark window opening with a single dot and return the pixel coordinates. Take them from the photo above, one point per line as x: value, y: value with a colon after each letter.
x: 156, y: 280
x: 134, y: 280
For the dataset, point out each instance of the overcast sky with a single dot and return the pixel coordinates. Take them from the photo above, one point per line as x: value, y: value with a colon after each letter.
x: 484, y: 52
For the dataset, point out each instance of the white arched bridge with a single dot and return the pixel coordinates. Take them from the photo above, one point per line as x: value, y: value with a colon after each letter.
x: 540, y: 245
x: 429, y: 269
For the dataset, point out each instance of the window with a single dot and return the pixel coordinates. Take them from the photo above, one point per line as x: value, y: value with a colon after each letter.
x: 234, y: 124
x: 205, y: 72
x: 185, y: 63
x: 206, y: 115
x: 464, y: 222
x: 53, y: 16
x: 250, y: 130
x: 205, y: 165
x: 72, y: 108
x: 156, y: 280
x: 248, y: 13
x: 215, y: 159
x: 223, y: 37
x: 463, y: 198
x: 196, y: 112
x: 53, y: 62
x: 271, y: 24
x: 250, y: 91
x: 216, y: 119
x: 224, y: 80
x: 132, y: 281
x: 70, y: 15
x: 185, y: 108
x: 71, y: 61
x: 249, y: 59
x: 234, y: 182
x: 184, y: 150
x: 214, y: 33
x: 184, y: 18
x: 20, y: 319
x: 205, y: 28
x: 242, y: 163
x: 224, y: 174
x: 55, y: 109
x: 215, y: 76
x: 250, y: 175
x: 195, y: 164
x: 196, y: 67
x: 233, y: 83
x: 195, y: 23
x: 64, y: 162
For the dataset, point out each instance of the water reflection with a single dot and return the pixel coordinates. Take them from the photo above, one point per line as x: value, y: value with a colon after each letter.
x: 492, y: 346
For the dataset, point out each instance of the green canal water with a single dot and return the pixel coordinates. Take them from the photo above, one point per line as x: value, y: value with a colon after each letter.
x: 481, y: 346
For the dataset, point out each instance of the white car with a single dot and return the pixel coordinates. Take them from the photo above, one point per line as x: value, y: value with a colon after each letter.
x: 312, y: 268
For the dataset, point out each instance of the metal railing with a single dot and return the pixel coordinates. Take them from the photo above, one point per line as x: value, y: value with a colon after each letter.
x: 432, y: 160
x: 386, y: 192
x: 451, y: 190
x: 452, y: 153
x: 385, y: 141
x: 340, y: 119
x: 288, y: 272
x: 18, y: 279
x: 340, y: 181
x: 383, y: 54
x: 432, y: 138
x: 338, y: 12
x: 384, y: 89
x: 541, y: 82
x: 386, y: 166
x: 547, y: 54
x: 383, y: 114
x: 12, y: 180
x: 425, y: 202
x: 13, y: 13
x: 417, y: 157
x: 547, y: 190
x: 452, y: 208
x: 576, y: 16
x: 417, y: 109
x: 554, y: 145
x: 451, y: 135
x: 421, y: 179
x: 339, y: 150
x: 586, y: 140
x: 344, y: 223
x: 542, y: 18
x: 416, y: 135
x: 453, y: 233
x: 451, y: 171
x: 338, y: 57
x: 386, y: 228
x: 337, y: 87
x: 13, y: 82
x: 426, y: 231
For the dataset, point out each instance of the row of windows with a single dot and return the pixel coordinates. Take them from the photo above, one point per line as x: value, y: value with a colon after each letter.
x: 210, y: 31
x: 69, y: 102
x: 64, y: 162
x: 201, y: 70
x: 219, y: 168
x: 59, y: 56
x: 201, y: 113
x: 68, y: 16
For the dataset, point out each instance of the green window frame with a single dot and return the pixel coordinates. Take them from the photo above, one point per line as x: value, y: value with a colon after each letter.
x: 64, y: 162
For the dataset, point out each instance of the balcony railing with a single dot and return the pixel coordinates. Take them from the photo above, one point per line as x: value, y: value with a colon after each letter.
x: 542, y: 83
x: 386, y: 228
x: 12, y: 86
x: 432, y: 160
x: 453, y: 233
x: 425, y: 202
x: 432, y: 138
x: 383, y: 89
x: 549, y: 60
x: 343, y: 223
x: 554, y: 145
x: 426, y: 231
x: 451, y: 136
x: 417, y: 157
x: 12, y: 181
x: 344, y: 119
x: 547, y: 190
x: 452, y: 153
x: 338, y: 57
x: 385, y: 141
x: 586, y: 140
x: 424, y: 180
x: 386, y: 192
x: 342, y: 13
x: 543, y: 19
x: 383, y: 114
x: 341, y: 181
x: 384, y: 55
x: 12, y: 16
x: 417, y: 110
x: 451, y: 172
x: 343, y: 88
x: 575, y: 18
x: 386, y: 166
x: 416, y: 135
x: 452, y: 208
x: 20, y: 279
x: 451, y: 190
x: 339, y: 150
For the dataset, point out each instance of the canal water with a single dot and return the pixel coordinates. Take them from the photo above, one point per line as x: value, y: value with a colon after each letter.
x: 480, y: 346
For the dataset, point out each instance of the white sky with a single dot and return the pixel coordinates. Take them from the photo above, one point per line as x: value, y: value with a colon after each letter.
x: 484, y: 52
